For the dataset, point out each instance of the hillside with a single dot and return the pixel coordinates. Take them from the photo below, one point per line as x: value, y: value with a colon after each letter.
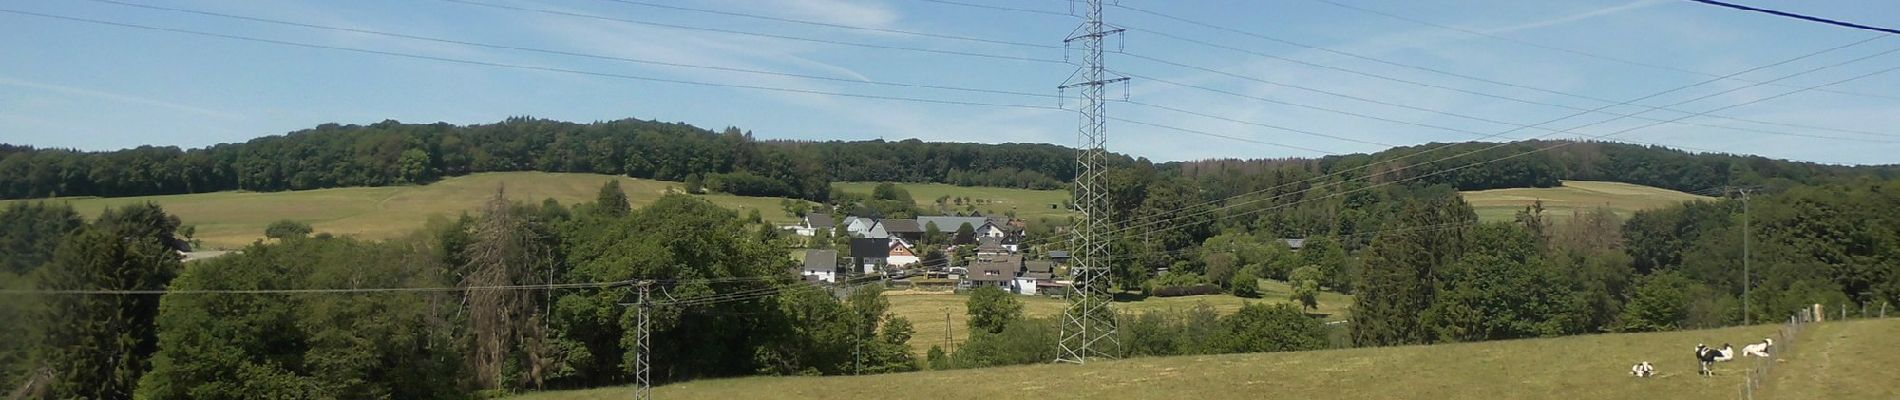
x: 926, y: 310
x: 1623, y: 198
x: 1029, y: 204
x: 232, y: 220
x: 1578, y: 367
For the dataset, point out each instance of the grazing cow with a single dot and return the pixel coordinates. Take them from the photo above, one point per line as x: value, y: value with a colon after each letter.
x: 1705, y: 358
x: 1725, y: 354
x: 1643, y: 370
x: 1758, y: 349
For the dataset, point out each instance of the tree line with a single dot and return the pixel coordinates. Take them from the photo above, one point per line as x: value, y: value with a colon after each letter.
x: 731, y: 160
x: 392, y: 153
x: 189, y: 338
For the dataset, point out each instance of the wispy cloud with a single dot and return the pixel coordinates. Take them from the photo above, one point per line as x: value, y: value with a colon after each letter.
x: 1634, y: 5
x: 118, y: 97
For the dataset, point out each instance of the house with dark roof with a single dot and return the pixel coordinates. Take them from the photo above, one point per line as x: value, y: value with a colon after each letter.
x: 907, y: 229
x: 821, y: 265
x: 1000, y: 272
x: 870, y: 254
x: 811, y: 223
x: 1035, y: 274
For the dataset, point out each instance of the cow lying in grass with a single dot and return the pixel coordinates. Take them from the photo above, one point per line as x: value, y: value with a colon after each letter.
x: 1643, y: 370
x: 1758, y: 349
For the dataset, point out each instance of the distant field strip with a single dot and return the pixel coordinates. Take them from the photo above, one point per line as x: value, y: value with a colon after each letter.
x: 235, y: 219
x: 1559, y: 202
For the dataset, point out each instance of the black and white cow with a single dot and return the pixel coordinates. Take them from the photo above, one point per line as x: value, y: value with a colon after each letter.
x: 1758, y: 349
x: 1705, y: 358
x: 1643, y: 370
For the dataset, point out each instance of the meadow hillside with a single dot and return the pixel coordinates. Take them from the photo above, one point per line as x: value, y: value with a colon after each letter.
x: 1623, y: 198
x: 230, y: 220
x: 927, y: 310
x: 1568, y: 368
x: 1029, y: 204
x: 234, y: 219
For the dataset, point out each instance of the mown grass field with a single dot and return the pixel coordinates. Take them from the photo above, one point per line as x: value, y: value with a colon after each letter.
x: 1029, y: 204
x: 1569, y: 368
x: 234, y: 219
x: 1559, y: 202
x: 1845, y: 361
x: 926, y: 310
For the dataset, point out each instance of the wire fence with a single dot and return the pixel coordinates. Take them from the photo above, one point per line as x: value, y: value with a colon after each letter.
x: 1761, y: 369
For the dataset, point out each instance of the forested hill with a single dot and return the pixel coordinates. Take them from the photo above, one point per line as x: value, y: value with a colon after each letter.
x: 731, y: 161
x: 1523, y: 164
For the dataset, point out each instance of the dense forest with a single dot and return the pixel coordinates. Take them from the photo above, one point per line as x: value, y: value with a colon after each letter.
x: 731, y: 160
x: 391, y: 153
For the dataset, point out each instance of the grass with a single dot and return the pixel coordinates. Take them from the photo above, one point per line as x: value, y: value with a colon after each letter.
x: 231, y: 220
x: 1029, y: 204
x: 926, y: 310
x: 1842, y: 360
x: 1623, y: 198
x: 1577, y: 367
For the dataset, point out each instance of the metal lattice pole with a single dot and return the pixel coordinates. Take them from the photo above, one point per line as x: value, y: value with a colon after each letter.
x: 1089, y: 326
x: 643, y: 350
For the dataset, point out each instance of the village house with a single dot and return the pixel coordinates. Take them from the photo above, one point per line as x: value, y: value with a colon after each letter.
x: 811, y: 223
x: 998, y: 272
x: 870, y: 255
x: 901, y: 254
x: 821, y: 265
x: 1035, y: 277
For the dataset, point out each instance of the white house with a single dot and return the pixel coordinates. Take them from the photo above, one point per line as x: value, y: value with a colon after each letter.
x: 812, y: 222
x: 901, y: 254
x: 822, y: 264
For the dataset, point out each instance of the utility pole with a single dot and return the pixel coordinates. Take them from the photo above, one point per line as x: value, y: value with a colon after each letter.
x: 1088, y: 326
x: 947, y: 330
x: 1746, y: 278
x: 643, y: 349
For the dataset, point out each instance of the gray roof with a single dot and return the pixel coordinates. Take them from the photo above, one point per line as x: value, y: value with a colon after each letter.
x: 1000, y: 269
x: 990, y: 274
x: 1058, y: 254
x: 819, y: 220
x: 821, y: 260
x: 950, y: 224
x: 898, y: 225
x: 1295, y: 244
x: 1040, y: 266
x: 990, y: 245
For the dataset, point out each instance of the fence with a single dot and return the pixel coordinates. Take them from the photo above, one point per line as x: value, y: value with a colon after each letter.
x: 1760, y: 368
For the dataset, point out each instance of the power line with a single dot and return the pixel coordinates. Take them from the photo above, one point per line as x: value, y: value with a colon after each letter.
x: 570, y: 53
x: 1800, y: 16
x: 625, y: 76
x: 1566, y: 50
x: 1679, y: 88
x: 524, y: 67
x: 1217, y: 135
x: 1547, y: 148
x: 1000, y: 8
x: 1481, y: 135
x: 832, y: 25
x: 541, y: 286
x: 1430, y: 85
x: 1419, y: 67
x: 755, y: 34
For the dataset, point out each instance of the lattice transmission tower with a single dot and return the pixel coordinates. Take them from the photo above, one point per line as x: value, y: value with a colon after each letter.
x: 1088, y: 327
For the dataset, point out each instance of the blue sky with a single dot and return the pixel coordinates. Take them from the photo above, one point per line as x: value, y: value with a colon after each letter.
x: 73, y: 84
